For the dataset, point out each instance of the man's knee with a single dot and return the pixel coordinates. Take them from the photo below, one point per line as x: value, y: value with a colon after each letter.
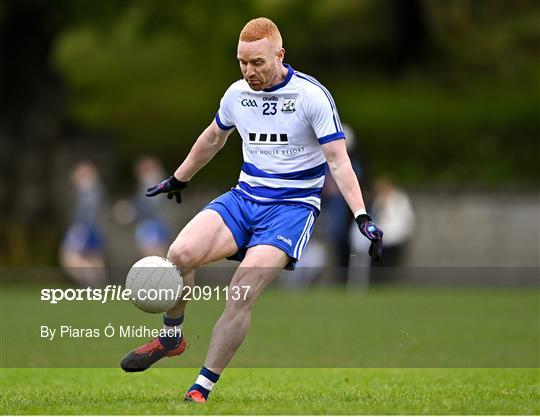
x: 183, y: 255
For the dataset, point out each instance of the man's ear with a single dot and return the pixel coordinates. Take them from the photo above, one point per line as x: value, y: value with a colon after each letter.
x: 281, y: 54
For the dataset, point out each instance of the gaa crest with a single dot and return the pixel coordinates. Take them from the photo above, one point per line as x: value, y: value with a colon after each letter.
x: 289, y: 105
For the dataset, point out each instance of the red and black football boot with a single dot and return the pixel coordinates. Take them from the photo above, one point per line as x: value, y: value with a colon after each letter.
x: 194, y: 396
x: 145, y: 356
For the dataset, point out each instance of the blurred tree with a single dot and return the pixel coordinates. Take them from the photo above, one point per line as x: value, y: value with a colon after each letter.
x: 412, y: 34
x: 31, y: 117
x: 452, y: 85
x: 33, y: 114
x: 35, y: 123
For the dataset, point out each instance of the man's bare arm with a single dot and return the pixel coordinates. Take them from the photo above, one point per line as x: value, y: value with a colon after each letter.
x: 207, y: 145
x: 343, y: 173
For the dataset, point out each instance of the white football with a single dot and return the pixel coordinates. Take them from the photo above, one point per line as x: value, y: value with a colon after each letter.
x: 155, y: 283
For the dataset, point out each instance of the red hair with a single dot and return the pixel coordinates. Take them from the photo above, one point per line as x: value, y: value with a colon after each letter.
x: 260, y: 28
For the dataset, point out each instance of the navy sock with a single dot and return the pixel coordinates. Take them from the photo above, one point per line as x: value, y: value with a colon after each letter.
x: 205, y: 382
x: 174, y: 332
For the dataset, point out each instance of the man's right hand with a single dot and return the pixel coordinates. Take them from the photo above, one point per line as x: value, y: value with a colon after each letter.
x: 171, y: 186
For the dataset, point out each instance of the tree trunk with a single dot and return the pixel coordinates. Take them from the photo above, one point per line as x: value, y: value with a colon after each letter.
x: 32, y: 118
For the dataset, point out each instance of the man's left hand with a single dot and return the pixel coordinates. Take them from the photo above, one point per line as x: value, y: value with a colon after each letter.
x: 373, y: 233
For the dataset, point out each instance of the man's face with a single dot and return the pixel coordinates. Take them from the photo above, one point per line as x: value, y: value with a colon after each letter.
x: 259, y: 62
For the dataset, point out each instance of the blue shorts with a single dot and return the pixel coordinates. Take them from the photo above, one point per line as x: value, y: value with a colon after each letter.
x: 151, y: 232
x: 83, y: 238
x: 285, y: 226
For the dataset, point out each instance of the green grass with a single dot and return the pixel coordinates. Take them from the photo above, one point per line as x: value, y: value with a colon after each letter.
x: 274, y: 391
x: 387, y: 327
x: 398, y: 350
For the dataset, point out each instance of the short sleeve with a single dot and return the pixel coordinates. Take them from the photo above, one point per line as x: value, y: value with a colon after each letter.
x: 323, y: 116
x: 225, y: 115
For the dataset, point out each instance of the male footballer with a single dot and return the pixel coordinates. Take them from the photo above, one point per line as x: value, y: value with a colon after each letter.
x: 290, y: 130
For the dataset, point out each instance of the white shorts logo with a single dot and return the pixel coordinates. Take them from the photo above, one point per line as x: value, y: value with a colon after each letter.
x: 287, y: 241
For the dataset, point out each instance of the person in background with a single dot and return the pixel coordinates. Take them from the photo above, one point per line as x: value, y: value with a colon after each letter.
x: 82, y: 250
x: 337, y: 216
x: 310, y: 268
x: 151, y: 231
x: 393, y: 210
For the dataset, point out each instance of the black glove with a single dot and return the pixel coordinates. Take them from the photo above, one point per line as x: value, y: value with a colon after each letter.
x: 171, y: 186
x: 373, y: 233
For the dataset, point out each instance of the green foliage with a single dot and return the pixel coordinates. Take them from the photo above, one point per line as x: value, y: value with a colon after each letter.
x: 466, y: 109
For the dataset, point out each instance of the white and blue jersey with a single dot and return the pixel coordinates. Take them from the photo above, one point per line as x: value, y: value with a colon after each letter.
x: 282, y: 128
x: 278, y: 195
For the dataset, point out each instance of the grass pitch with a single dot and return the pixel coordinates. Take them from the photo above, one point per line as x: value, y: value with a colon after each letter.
x: 274, y: 391
x: 447, y: 351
